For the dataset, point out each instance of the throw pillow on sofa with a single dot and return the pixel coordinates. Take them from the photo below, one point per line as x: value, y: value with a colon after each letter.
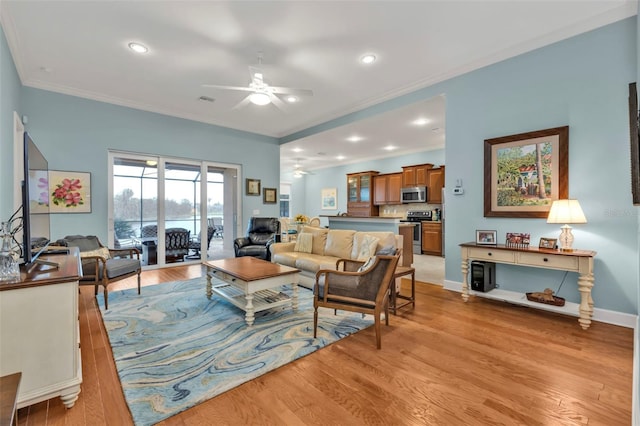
x: 367, y: 247
x: 304, y: 243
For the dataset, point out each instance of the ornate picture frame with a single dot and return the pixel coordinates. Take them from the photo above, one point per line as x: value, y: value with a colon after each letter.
x: 69, y: 192
x: 270, y: 196
x: 252, y: 187
x: 511, y: 163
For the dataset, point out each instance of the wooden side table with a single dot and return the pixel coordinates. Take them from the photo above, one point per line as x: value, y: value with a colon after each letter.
x: 9, y: 386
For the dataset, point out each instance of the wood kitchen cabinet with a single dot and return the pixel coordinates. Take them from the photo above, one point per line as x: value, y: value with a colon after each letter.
x: 360, y: 191
x: 435, y: 183
x: 432, y: 238
x: 387, y: 188
x: 415, y: 175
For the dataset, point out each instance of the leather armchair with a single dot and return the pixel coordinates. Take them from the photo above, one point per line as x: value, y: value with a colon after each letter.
x: 261, y: 233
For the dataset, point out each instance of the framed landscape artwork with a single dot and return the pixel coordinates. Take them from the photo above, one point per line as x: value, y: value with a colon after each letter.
x: 525, y: 173
x: 70, y: 192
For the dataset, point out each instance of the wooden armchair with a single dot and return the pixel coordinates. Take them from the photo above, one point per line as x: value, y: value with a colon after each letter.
x: 357, y: 288
x: 102, y: 266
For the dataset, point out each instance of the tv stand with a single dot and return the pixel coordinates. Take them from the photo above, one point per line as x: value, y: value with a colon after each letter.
x: 40, y: 334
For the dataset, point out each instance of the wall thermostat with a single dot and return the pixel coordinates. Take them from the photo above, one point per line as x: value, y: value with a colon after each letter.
x: 458, y: 191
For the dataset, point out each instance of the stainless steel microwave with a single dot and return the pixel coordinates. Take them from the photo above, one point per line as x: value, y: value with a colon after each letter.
x: 414, y: 194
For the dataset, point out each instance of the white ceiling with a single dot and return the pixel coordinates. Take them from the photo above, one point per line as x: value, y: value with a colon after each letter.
x: 80, y: 48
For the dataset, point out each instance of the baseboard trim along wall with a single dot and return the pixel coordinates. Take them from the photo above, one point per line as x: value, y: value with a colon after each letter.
x: 602, y: 315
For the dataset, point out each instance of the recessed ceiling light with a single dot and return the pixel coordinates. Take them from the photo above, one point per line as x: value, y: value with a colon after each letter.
x: 390, y: 148
x: 355, y: 138
x: 291, y: 99
x: 297, y: 149
x: 138, y: 48
x: 420, y: 121
x: 152, y: 163
x: 340, y: 157
x: 368, y: 59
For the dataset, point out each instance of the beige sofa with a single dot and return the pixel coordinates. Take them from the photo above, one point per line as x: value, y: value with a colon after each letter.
x: 327, y: 246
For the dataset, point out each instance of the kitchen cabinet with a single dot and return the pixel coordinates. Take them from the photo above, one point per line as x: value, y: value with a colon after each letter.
x: 435, y: 183
x: 387, y: 188
x: 415, y: 175
x: 432, y: 238
x: 360, y: 191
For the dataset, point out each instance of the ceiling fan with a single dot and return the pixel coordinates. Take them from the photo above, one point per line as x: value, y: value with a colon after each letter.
x: 261, y: 92
x: 298, y: 171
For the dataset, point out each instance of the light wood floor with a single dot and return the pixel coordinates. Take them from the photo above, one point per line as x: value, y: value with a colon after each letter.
x: 444, y: 363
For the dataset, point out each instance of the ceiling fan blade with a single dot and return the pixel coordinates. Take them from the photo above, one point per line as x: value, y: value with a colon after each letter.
x: 243, y: 102
x: 291, y: 91
x: 216, y: 86
x: 277, y: 102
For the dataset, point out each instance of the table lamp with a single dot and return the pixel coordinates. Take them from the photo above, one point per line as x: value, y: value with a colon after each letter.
x: 566, y: 211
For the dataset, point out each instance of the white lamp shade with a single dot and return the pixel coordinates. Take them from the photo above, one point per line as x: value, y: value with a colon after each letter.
x: 260, y: 98
x: 566, y: 211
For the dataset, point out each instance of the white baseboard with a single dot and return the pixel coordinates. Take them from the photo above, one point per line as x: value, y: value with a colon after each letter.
x: 603, y: 315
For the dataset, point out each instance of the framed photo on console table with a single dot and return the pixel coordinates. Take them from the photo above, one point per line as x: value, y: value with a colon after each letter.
x: 525, y: 173
x: 486, y: 237
x: 548, y: 243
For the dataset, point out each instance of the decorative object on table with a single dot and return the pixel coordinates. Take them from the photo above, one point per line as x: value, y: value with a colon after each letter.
x: 547, y: 243
x: 486, y: 237
x: 269, y: 196
x: 525, y: 173
x: 168, y: 364
x: 328, y: 198
x: 545, y: 297
x: 253, y: 187
x: 634, y: 129
x: 517, y: 240
x: 70, y: 192
x: 566, y: 211
x: 9, y: 267
x: 301, y: 218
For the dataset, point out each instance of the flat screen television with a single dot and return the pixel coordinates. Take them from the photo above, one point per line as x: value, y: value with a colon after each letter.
x: 36, y: 232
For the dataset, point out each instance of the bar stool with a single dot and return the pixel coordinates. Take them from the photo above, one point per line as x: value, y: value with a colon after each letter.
x: 401, y: 271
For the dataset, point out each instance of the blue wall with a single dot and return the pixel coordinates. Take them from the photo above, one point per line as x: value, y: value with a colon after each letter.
x: 75, y: 134
x: 581, y: 82
x: 9, y: 102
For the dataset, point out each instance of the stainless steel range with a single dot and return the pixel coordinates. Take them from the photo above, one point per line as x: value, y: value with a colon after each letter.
x: 417, y: 217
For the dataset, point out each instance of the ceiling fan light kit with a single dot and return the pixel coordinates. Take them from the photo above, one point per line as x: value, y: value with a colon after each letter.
x: 260, y: 98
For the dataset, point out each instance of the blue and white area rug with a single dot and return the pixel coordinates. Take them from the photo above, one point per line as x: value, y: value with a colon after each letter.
x: 174, y: 348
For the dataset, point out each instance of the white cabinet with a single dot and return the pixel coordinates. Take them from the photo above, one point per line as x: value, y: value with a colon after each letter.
x: 39, y: 333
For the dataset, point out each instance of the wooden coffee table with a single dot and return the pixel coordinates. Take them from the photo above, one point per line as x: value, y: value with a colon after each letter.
x: 248, y: 283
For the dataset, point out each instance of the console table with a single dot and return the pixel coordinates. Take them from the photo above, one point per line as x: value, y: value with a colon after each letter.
x: 580, y: 261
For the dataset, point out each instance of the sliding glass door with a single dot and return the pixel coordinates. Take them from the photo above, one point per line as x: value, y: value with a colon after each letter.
x: 156, y: 206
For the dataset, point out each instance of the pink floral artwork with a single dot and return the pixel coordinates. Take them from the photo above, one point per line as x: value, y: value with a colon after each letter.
x: 70, y: 192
